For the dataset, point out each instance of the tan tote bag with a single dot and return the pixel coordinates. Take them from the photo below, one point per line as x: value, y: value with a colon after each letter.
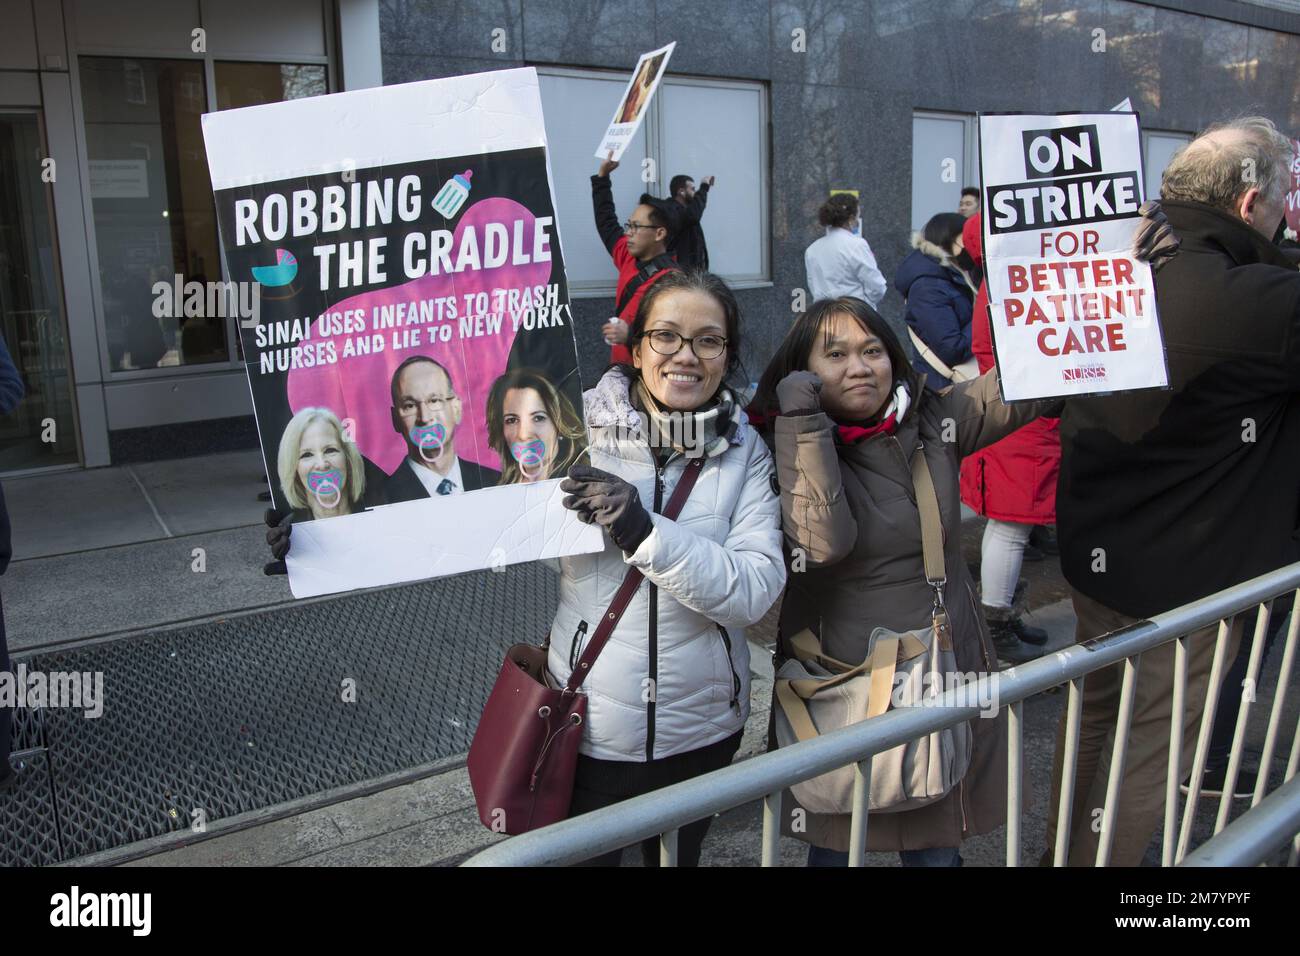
x: 816, y: 694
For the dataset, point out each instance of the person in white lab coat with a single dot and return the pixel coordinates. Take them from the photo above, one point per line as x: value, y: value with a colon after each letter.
x: 841, y: 263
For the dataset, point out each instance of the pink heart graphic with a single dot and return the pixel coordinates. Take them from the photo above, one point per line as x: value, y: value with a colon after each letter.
x: 358, y: 387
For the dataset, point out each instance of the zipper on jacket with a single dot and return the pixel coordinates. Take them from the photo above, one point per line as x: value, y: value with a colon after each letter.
x: 653, y: 630
x: 575, y: 646
x: 735, y: 678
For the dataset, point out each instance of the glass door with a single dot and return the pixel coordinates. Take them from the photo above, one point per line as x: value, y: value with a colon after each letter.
x: 41, y: 431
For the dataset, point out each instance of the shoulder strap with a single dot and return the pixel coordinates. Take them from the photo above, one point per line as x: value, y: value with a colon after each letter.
x: 927, y: 503
x: 623, y: 597
x: 644, y: 273
x: 928, y: 355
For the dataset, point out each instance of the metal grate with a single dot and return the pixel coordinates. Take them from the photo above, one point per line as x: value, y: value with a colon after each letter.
x: 233, y: 716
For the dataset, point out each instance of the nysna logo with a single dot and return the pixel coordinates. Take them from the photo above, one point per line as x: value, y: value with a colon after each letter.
x: 1084, y: 373
x: 103, y: 909
x: 282, y: 273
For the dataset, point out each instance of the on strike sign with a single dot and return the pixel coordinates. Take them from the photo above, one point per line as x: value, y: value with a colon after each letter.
x: 1073, y: 312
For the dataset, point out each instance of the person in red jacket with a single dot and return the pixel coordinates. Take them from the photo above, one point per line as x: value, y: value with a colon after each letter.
x: 1013, y: 484
x: 639, y: 248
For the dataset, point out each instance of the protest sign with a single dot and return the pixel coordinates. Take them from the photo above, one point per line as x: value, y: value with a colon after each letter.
x: 1293, y: 190
x: 413, y: 368
x: 1072, y: 311
x: 632, y: 107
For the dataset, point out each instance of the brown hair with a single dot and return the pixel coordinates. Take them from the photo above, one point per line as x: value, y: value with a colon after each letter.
x: 571, y: 435
x: 838, y: 211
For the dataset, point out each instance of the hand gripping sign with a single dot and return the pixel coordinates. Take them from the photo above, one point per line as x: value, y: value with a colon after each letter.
x: 1073, y: 312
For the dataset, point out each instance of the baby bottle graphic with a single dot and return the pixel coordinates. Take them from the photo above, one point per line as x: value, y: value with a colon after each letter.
x: 453, y: 194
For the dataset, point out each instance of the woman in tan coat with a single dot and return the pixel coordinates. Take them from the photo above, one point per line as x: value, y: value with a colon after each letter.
x: 845, y: 411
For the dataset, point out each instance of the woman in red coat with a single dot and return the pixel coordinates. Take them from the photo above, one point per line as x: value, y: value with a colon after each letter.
x: 1013, y: 484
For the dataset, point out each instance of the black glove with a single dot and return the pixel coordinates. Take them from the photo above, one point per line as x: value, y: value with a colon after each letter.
x: 278, y: 528
x: 799, y: 393
x: 607, y: 500
x: 1154, y: 242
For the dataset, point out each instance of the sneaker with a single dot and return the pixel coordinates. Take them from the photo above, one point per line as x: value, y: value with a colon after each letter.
x: 1043, y: 537
x: 1213, y: 779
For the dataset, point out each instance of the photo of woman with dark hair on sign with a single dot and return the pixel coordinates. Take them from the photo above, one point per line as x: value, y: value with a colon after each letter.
x: 533, y: 427
x: 639, y: 93
x: 322, y: 474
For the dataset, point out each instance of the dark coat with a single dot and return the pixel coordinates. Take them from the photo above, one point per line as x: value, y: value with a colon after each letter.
x: 687, y: 239
x: 938, y: 307
x: 1193, y: 489
x: 402, y: 485
x: 852, y: 509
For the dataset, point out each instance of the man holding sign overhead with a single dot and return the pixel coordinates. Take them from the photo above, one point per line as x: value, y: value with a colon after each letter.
x: 1168, y: 496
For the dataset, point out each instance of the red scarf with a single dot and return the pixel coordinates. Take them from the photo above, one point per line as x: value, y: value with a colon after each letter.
x: 849, y: 434
x: 852, y: 434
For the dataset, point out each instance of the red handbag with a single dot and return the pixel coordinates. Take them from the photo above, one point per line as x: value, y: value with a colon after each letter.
x: 525, y: 751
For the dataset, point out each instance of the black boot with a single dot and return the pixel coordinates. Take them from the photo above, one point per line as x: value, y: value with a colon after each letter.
x: 1015, y: 641
x: 1043, y: 537
x: 1006, y: 641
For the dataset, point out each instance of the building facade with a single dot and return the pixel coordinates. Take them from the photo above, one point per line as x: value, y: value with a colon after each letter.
x: 106, y: 192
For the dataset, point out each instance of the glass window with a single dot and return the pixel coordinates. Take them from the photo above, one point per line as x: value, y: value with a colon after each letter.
x: 252, y: 84
x: 152, y: 202
x: 577, y: 105
x: 1159, y: 150
x: 40, y: 431
x: 944, y: 160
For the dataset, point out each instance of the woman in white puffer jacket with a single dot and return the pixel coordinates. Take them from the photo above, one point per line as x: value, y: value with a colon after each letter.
x: 669, y: 694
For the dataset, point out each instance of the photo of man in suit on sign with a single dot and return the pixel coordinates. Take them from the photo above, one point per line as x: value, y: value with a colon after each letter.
x: 426, y: 413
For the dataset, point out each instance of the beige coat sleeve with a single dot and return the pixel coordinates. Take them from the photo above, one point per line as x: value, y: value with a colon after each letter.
x: 979, y: 417
x: 815, y: 514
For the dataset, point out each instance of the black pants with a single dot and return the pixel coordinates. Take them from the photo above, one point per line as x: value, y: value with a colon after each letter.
x: 600, y: 783
x: 1225, y: 718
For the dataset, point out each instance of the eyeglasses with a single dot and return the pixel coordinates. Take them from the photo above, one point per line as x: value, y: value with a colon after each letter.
x: 631, y: 226
x: 667, y: 342
x: 436, y: 402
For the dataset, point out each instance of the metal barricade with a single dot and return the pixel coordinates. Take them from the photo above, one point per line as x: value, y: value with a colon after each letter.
x: 663, y: 812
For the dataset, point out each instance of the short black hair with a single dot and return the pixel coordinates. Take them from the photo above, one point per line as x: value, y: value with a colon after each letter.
x: 677, y: 182
x: 943, y: 229
x: 658, y: 218
x: 971, y: 191
x: 397, y: 373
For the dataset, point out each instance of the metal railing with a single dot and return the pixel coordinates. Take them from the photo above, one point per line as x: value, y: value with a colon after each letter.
x: 662, y: 812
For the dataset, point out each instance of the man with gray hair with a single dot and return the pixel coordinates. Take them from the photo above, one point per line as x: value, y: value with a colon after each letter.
x: 1166, y: 496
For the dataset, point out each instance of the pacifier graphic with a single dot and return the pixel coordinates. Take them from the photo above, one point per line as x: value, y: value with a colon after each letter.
x: 531, y: 456
x: 327, y: 486
x: 429, y: 439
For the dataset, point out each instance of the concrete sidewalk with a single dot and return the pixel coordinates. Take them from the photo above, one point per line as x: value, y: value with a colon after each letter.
x: 135, y: 547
